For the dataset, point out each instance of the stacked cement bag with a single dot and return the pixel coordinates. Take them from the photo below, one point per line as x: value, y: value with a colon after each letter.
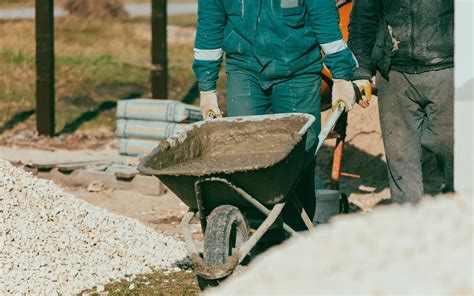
x: 143, y: 123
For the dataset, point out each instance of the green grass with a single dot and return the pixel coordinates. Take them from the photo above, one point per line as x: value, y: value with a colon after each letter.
x: 158, y: 283
x: 77, y: 76
x: 10, y: 57
x: 93, y: 66
x: 30, y: 3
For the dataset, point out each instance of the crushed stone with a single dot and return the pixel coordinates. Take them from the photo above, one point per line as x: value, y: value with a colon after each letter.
x: 52, y: 242
x: 424, y: 249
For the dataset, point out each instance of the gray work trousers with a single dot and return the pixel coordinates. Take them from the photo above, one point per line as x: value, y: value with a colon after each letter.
x: 416, y: 112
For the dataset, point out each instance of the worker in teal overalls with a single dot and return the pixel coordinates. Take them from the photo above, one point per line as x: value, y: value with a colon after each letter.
x: 273, y: 63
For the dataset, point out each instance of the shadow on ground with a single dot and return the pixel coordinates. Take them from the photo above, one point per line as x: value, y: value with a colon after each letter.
x: 87, y: 116
x: 16, y: 119
x: 129, y: 91
x: 372, y: 170
x: 99, y: 109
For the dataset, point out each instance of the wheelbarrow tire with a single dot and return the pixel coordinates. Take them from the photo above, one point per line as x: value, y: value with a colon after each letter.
x: 226, y: 231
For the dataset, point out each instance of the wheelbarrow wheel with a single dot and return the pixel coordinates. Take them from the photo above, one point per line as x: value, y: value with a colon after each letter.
x: 226, y: 231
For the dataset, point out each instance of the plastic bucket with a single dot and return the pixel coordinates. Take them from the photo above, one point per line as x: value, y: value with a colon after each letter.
x: 327, y: 205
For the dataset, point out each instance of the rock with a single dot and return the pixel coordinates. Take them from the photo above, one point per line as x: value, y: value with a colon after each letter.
x: 96, y: 186
x: 54, y: 243
x: 100, y: 288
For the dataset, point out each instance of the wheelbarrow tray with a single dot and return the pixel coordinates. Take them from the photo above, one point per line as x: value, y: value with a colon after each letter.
x: 263, y: 155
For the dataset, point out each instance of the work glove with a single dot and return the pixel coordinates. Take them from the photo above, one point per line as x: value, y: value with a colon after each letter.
x: 209, y: 105
x: 343, y: 91
x: 365, y: 89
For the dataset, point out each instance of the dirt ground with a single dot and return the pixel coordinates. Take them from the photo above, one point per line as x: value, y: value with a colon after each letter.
x: 91, y: 76
x: 162, y: 213
x: 363, y: 156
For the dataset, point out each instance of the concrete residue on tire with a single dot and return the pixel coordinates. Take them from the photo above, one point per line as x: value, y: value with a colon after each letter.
x: 226, y: 231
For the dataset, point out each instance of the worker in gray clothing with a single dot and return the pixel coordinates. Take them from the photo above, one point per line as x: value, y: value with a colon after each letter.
x: 410, y: 44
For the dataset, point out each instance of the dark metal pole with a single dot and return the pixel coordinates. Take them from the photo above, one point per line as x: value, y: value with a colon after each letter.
x: 159, y: 51
x: 45, y: 67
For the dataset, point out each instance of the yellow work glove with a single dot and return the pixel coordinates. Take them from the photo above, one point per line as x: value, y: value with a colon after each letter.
x: 343, y: 91
x: 209, y: 105
x: 365, y: 89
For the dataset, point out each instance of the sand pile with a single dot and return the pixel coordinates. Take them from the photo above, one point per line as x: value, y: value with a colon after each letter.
x: 423, y: 249
x: 52, y: 242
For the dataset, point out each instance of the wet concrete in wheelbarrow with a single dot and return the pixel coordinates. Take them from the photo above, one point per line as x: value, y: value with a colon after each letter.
x: 229, y: 147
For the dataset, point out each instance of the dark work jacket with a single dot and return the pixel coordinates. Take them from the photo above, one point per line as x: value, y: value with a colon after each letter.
x: 421, y: 37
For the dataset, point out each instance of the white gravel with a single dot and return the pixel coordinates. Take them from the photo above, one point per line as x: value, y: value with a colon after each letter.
x: 402, y: 250
x: 52, y: 242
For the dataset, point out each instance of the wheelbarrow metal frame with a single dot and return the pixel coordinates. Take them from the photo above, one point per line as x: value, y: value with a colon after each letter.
x: 222, y: 270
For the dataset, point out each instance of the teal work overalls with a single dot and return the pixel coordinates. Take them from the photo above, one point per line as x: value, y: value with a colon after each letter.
x: 273, y: 59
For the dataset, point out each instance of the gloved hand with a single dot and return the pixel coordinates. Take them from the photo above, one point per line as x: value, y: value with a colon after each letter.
x: 209, y: 105
x: 365, y: 89
x: 343, y: 90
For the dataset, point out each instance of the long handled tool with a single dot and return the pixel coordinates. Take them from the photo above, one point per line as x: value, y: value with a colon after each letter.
x: 340, y: 109
x: 330, y: 124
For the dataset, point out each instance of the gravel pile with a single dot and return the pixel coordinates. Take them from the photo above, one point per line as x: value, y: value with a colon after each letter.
x: 401, y: 250
x: 52, y: 242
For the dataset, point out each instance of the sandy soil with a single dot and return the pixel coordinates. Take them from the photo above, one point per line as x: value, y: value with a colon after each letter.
x: 98, y: 139
x: 163, y: 213
x: 364, y: 156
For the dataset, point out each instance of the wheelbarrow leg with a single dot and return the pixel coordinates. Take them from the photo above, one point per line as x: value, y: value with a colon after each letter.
x: 340, y: 128
x: 188, y: 238
x: 261, y: 230
x: 304, y: 216
x: 200, y: 206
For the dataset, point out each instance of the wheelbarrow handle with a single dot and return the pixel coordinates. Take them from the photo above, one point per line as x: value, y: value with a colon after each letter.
x: 330, y: 124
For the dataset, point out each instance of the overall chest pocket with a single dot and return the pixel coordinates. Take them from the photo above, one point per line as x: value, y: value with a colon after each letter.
x: 234, y: 7
x: 292, y: 12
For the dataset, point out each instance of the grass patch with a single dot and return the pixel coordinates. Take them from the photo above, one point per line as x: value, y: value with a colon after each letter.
x: 11, y: 57
x: 183, y: 20
x: 93, y: 66
x: 31, y: 3
x: 158, y: 283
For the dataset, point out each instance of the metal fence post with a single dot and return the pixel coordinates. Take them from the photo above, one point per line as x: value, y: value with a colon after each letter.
x: 45, y: 93
x: 159, y: 51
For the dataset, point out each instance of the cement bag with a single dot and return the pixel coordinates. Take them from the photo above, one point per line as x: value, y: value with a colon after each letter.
x: 158, y: 110
x: 134, y: 147
x: 142, y: 129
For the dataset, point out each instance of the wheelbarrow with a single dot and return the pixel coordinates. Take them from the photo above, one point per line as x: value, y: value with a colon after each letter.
x: 224, y: 167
